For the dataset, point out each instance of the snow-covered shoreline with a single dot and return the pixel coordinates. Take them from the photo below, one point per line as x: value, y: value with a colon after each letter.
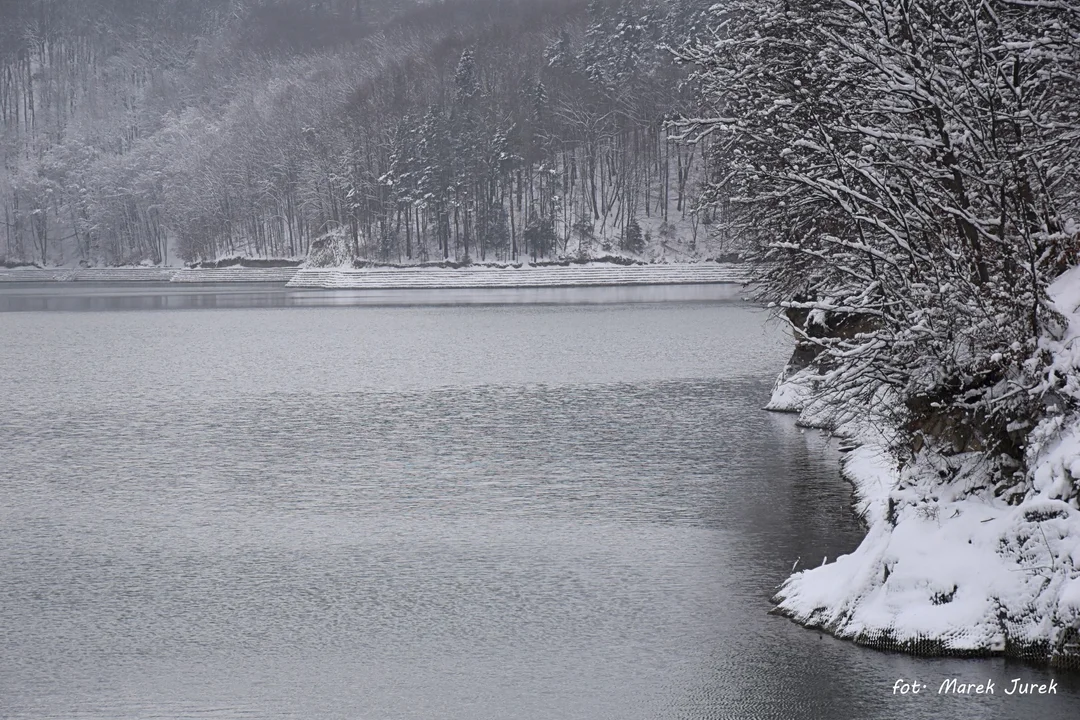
x: 947, y: 567
x: 235, y: 275
x: 138, y: 274
x: 593, y: 274
x: 148, y: 275
x: 390, y: 278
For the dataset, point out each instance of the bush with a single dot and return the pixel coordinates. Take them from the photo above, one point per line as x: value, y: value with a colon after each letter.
x: 633, y: 239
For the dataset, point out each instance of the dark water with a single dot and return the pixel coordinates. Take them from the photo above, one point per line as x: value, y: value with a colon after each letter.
x: 333, y: 506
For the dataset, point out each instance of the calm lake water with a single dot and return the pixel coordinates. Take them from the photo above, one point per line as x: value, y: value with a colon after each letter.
x: 256, y: 503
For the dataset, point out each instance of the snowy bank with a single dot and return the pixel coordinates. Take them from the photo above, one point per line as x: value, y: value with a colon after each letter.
x: 33, y: 274
x: 948, y: 565
x: 235, y: 275
x: 523, y: 277
x: 143, y: 274
x: 149, y: 274
x: 105, y: 274
x: 391, y: 278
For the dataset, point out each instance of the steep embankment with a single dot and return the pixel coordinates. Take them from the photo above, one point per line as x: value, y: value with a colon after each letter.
x: 948, y: 566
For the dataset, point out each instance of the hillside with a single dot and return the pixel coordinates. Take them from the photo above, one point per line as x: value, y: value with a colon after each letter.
x: 482, y: 129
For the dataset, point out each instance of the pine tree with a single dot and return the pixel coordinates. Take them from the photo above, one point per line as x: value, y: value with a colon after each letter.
x: 633, y: 238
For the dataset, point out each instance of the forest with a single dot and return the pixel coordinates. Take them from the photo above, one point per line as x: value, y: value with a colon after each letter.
x: 906, y: 176
x: 189, y: 130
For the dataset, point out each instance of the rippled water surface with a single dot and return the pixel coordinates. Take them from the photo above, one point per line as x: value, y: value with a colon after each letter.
x: 334, y: 505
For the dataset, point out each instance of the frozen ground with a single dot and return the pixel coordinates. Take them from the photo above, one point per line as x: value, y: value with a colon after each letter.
x: 946, y: 567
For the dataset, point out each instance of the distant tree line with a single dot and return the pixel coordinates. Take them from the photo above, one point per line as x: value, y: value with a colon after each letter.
x: 484, y: 129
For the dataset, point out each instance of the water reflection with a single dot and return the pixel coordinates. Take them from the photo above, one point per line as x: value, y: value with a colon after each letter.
x: 92, y: 297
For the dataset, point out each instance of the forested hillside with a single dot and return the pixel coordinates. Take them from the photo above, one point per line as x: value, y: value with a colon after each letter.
x: 190, y: 130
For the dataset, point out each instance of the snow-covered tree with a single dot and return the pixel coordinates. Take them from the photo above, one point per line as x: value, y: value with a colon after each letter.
x: 904, y: 174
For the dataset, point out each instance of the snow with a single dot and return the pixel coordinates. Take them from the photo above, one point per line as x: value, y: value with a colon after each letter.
x: 150, y: 274
x: 1065, y: 292
x: 124, y: 274
x: 544, y: 276
x: 588, y: 274
x: 792, y: 394
x: 946, y: 566
x: 962, y: 573
x: 235, y: 275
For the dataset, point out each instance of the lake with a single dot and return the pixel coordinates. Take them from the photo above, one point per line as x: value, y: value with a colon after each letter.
x: 250, y: 502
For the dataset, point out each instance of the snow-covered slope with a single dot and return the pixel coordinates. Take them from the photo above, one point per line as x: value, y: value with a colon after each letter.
x: 33, y: 274
x: 149, y: 274
x: 947, y: 567
x: 483, y: 277
x: 403, y: 278
x: 235, y: 275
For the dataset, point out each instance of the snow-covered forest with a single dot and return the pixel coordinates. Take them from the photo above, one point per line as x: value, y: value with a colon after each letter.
x: 189, y: 130
x: 906, y: 174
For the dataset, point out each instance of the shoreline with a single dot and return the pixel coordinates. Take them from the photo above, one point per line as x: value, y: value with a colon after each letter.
x: 584, y: 275
x: 947, y: 577
x: 393, y: 278
x: 948, y: 567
